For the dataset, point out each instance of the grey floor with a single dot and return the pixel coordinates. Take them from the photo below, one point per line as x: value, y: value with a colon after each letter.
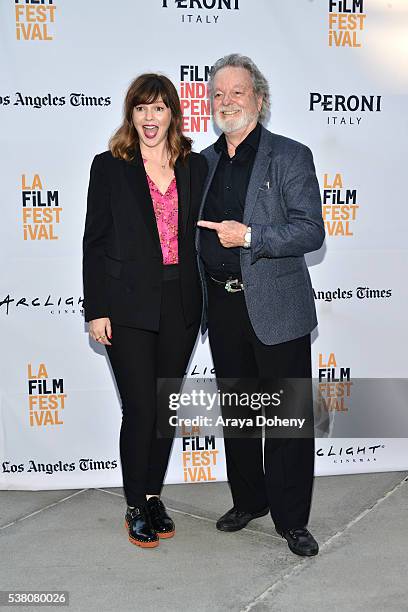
x: 76, y: 541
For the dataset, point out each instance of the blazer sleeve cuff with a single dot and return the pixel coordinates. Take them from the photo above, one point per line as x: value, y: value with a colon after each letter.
x: 256, y: 242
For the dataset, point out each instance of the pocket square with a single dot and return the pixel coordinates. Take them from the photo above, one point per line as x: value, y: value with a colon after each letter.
x: 265, y: 186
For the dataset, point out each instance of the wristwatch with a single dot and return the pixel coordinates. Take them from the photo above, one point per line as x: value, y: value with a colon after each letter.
x: 247, y: 238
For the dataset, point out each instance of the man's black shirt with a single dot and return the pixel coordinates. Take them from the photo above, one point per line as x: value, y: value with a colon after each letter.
x: 225, y: 201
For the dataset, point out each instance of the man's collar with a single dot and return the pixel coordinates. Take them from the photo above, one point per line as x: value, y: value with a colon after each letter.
x: 252, y: 140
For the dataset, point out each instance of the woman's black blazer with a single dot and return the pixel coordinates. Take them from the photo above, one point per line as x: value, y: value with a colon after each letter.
x: 122, y: 258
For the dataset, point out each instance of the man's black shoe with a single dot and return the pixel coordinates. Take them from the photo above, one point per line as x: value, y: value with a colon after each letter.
x: 139, y: 527
x: 234, y: 519
x: 161, y: 521
x: 300, y: 541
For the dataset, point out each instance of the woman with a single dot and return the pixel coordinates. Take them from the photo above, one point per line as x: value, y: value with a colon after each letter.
x: 141, y: 285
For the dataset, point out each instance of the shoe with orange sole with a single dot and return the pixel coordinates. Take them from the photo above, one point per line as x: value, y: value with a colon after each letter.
x: 140, y: 528
x: 160, y: 520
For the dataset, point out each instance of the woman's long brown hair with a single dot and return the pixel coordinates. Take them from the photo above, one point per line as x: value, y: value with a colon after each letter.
x: 147, y: 89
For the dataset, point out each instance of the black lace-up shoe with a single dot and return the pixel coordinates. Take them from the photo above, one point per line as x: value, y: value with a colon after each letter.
x: 140, y: 529
x: 234, y: 519
x: 300, y: 541
x: 162, y: 523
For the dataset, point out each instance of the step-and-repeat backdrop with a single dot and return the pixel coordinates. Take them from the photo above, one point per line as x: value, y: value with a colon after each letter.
x: 338, y: 77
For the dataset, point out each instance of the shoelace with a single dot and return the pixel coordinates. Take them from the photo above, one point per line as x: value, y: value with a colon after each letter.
x: 296, y: 533
x: 156, y: 507
x: 240, y: 512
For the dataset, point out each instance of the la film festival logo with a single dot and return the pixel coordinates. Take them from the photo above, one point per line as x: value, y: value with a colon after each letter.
x: 46, y: 397
x: 350, y: 106
x: 339, y: 208
x: 199, y: 455
x: 41, y: 209
x: 35, y: 19
x: 334, y: 387
x: 346, y: 23
x: 199, y: 10
x: 194, y: 100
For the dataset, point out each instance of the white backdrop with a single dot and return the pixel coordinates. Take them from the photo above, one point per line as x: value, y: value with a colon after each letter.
x: 338, y: 81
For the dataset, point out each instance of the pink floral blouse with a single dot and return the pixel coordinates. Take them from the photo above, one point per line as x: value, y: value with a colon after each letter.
x: 166, y: 211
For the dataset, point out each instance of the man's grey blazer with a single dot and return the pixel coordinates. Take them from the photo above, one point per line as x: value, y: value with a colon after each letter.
x: 283, y: 208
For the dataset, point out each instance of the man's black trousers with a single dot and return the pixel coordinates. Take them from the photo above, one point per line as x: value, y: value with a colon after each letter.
x: 281, y: 477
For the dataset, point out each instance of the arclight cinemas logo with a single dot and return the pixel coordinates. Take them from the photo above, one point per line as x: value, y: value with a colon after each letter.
x: 48, y: 302
x: 351, y: 454
x: 199, y: 9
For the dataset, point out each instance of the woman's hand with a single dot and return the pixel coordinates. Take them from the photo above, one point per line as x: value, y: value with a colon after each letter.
x: 100, y: 330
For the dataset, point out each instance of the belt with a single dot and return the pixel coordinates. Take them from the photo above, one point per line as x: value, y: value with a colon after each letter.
x: 232, y: 285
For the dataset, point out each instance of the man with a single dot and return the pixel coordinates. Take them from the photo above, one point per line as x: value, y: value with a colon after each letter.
x: 261, y: 212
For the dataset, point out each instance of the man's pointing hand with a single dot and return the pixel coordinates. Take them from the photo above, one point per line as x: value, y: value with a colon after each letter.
x: 230, y: 233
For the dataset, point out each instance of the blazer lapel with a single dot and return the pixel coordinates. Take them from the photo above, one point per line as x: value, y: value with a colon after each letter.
x: 212, y: 160
x: 261, y: 164
x: 182, y: 174
x: 137, y: 181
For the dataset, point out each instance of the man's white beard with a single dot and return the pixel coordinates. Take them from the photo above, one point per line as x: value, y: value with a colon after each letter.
x: 235, y: 125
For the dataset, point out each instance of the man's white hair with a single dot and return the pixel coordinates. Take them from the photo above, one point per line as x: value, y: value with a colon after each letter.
x: 260, y: 84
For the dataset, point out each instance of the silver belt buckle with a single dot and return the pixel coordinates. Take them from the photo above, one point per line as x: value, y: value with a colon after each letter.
x: 233, y: 285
